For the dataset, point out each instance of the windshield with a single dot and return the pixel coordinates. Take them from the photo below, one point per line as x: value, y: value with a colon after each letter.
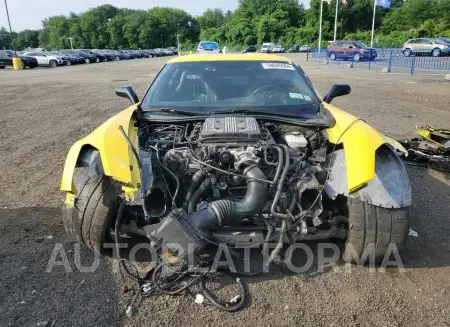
x: 360, y: 44
x: 209, y: 45
x: 11, y: 53
x: 208, y: 87
x: 445, y: 39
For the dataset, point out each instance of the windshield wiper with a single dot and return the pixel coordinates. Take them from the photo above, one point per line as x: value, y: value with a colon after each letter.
x: 176, y: 112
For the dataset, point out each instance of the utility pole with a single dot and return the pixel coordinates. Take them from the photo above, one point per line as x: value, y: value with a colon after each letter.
x: 71, y: 44
x: 10, y: 29
x: 336, y: 20
x: 320, y: 26
x: 178, y: 37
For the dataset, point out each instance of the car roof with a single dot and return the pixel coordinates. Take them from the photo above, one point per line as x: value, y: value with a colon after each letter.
x: 229, y: 57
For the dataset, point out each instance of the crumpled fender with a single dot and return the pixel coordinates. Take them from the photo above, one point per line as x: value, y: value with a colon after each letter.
x: 367, y: 164
x: 116, y: 157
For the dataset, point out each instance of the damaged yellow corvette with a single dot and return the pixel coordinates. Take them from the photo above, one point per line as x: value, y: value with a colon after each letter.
x: 236, y: 149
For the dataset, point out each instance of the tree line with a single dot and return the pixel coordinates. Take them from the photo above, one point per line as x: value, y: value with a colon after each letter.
x: 253, y: 22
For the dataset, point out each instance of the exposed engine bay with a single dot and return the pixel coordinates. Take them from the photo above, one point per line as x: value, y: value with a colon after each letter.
x: 233, y: 180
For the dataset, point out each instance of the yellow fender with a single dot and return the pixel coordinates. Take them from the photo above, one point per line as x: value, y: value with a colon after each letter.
x: 117, y: 159
x: 360, y: 141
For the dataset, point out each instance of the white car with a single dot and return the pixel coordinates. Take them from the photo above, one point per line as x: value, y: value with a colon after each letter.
x: 45, y: 59
x: 267, y: 47
x: 279, y: 49
x: 304, y: 48
x: 208, y: 47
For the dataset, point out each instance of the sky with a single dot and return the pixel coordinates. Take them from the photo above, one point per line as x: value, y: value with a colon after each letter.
x: 28, y: 14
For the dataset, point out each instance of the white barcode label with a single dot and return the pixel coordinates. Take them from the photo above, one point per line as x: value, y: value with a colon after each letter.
x: 277, y: 65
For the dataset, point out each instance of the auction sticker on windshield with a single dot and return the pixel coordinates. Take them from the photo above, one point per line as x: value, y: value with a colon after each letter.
x: 277, y: 65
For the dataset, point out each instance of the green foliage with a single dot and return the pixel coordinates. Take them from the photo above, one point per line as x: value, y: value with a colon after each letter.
x: 253, y: 22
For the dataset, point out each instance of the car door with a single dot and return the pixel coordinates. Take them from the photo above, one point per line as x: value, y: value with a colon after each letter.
x: 348, y: 49
x: 336, y: 48
x: 5, y: 59
x: 42, y: 59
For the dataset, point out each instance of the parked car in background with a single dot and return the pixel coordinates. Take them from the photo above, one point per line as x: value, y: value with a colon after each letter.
x: 305, y: 48
x: 68, y: 59
x: 46, y: 59
x: 208, y: 47
x: 429, y: 46
x: 445, y: 39
x: 267, y: 47
x: 96, y: 57
x: 6, y: 57
x: 250, y: 48
x: 278, y: 49
x: 354, y: 50
x: 294, y: 48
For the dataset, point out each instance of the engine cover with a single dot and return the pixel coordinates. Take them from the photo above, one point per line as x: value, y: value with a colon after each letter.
x: 230, y: 129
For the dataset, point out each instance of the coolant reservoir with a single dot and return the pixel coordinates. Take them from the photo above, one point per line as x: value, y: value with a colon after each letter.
x: 295, y: 140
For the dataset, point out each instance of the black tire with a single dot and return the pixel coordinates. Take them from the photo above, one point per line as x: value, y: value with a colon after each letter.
x: 372, y: 229
x: 356, y: 57
x: 407, y: 52
x: 53, y: 63
x: 436, y: 52
x: 2, y: 67
x: 94, y: 211
x: 68, y: 63
x: 32, y: 66
x: 332, y: 56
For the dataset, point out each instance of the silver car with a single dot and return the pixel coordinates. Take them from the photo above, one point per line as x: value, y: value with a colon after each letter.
x: 46, y: 59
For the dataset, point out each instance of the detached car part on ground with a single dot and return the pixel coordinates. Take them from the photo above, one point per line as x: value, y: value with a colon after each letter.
x: 431, y: 150
x: 236, y: 149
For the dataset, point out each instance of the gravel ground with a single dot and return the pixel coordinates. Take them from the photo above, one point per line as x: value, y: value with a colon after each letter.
x: 44, y: 111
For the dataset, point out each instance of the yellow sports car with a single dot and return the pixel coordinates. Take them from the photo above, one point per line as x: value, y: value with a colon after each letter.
x: 236, y: 149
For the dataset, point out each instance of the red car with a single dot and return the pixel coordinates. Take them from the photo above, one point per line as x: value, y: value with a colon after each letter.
x: 354, y: 50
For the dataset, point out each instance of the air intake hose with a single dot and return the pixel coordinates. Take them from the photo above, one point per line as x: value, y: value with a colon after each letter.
x: 225, y: 212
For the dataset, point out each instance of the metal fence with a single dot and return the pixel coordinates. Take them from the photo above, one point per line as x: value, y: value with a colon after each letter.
x: 394, y: 57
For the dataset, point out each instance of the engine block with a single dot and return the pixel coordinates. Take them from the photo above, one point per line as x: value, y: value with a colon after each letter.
x: 230, y: 129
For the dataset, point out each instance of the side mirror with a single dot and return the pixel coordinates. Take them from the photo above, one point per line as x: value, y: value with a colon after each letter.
x: 337, y: 90
x: 127, y: 92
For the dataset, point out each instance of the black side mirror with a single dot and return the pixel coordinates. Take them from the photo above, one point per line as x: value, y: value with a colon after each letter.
x: 337, y: 90
x: 127, y: 92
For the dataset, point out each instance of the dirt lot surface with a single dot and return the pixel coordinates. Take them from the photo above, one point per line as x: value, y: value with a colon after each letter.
x: 44, y: 111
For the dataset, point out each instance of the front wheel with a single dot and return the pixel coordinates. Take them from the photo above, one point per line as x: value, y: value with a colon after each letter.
x: 356, y: 57
x: 87, y: 60
x: 2, y: 67
x: 436, y: 52
x: 53, y: 63
x: 94, y: 209
x: 332, y: 56
x: 374, y: 231
x: 407, y: 52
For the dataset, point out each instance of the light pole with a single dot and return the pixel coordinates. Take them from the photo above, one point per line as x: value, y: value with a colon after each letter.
x: 10, y: 29
x: 71, y: 44
x: 178, y: 37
